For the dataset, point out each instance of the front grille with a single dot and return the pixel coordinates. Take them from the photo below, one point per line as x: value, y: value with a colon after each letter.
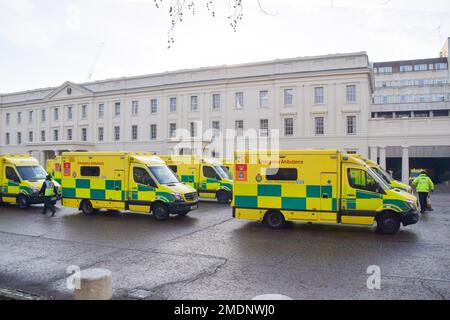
x: 191, y: 196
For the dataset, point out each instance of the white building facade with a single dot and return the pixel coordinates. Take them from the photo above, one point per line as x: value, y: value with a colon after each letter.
x: 314, y: 102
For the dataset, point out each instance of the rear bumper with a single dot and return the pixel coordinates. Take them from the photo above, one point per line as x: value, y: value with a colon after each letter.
x: 177, y: 207
x: 410, y: 217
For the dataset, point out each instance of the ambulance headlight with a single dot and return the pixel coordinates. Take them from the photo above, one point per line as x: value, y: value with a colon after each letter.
x: 35, y: 190
x: 411, y: 204
x: 177, y: 196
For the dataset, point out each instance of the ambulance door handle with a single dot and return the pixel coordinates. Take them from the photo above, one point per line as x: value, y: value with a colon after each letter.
x: 325, y: 195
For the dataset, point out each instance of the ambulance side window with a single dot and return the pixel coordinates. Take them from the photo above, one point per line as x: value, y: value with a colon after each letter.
x: 281, y: 174
x: 12, y: 175
x: 173, y: 168
x: 90, y: 171
x: 360, y: 179
x: 141, y: 176
x: 209, y: 172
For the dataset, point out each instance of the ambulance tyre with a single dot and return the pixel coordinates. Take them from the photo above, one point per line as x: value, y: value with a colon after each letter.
x: 223, y: 197
x: 22, y: 201
x: 387, y: 223
x: 160, y: 211
x: 87, y: 208
x: 274, y: 219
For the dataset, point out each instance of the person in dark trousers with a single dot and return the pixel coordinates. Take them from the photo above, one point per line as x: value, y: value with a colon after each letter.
x: 423, y: 186
x: 49, y: 190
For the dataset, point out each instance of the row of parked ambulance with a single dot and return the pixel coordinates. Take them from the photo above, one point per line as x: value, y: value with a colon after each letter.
x: 274, y: 187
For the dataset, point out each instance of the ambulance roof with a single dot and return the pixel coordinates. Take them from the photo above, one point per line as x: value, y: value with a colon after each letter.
x: 19, y: 159
x: 290, y: 152
x: 189, y: 159
x: 367, y: 161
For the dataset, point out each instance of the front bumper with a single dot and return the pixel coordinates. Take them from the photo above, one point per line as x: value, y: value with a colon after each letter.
x: 180, y: 206
x: 410, y: 217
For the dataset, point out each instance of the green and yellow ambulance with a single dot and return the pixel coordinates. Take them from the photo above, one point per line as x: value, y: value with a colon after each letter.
x: 21, y: 178
x: 208, y: 176
x: 323, y: 186
x: 53, y: 167
x: 138, y: 182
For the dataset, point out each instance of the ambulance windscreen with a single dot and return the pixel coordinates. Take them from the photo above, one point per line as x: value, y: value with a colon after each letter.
x: 163, y: 175
x: 31, y: 173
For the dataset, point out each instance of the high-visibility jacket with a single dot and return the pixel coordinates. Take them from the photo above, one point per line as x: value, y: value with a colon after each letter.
x: 423, y: 183
x: 49, y: 188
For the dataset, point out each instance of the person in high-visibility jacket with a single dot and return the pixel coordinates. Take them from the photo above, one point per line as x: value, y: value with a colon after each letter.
x: 49, y: 191
x: 423, y: 186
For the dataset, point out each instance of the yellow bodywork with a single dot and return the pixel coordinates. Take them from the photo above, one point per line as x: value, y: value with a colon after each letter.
x: 311, y: 186
x: 53, y: 167
x: 195, y: 172
x: 120, y: 181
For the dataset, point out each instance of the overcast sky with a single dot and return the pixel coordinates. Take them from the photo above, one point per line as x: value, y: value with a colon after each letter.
x: 46, y: 42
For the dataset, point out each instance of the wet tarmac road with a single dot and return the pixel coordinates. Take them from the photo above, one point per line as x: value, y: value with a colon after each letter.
x: 209, y: 255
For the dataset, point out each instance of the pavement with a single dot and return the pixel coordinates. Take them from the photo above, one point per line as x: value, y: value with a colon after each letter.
x: 209, y: 255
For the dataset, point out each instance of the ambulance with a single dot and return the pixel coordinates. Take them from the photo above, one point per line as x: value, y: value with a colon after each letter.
x: 138, y: 182
x: 53, y: 167
x: 323, y: 186
x: 21, y: 178
x: 383, y: 174
x: 208, y: 176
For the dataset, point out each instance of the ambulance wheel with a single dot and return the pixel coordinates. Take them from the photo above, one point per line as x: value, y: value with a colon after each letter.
x: 274, y: 219
x: 223, y: 197
x: 22, y: 202
x: 160, y: 211
x: 87, y: 208
x: 388, y: 223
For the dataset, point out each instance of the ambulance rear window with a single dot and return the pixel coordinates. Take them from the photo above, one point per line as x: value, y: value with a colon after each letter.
x: 284, y: 174
x: 90, y: 171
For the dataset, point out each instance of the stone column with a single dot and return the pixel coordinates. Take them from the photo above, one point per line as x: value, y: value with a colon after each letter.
x: 405, y: 164
x: 42, y: 158
x: 382, y: 162
x: 373, y: 153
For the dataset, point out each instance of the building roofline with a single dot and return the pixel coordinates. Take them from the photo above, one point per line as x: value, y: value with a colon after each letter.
x: 410, y: 61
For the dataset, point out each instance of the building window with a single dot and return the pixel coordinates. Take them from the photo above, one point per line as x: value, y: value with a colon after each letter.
x: 172, y: 130
x: 351, y: 93
x: 403, y: 114
x: 194, y: 103
x: 264, y: 127
x: 83, y: 111
x: 441, y: 66
x: 153, y: 105
x: 420, y: 67
x: 216, y: 101
x: 173, y: 104
x: 116, y: 133
x: 43, y: 115
x: 69, y: 134
x: 153, y: 132
x: 117, y: 109
x: 19, y: 137
x: 264, y: 99
x: 101, y: 134
x: 288, y: 97
x: 319, y: 126
x: 30, y: 136
x: 69, y: 113
x: 84, y: 134
x: 8, y: 119
x: 216, y: 128
x: 7, y: 138
x: 351, y: 125
x: 318, y: 95
x: 43, y: 136
x: 239, y: 100
x: 56, y: 114
x: 239, y: 127
x: 19, y: 117
x: 289, y: 126
x: 406, y: 68
x: 101, y: 111
x: 440, y: 113
x: 134, y: 132
x: 193, y: 129
x: 55, y: 135
x: 421, y: 114
x: 385, y: 70
x: 30, y: 116
x: 134, y: 108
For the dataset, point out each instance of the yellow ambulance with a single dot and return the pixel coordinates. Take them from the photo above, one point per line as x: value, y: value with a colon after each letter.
x: 53, y: 167
x: 383, y: 174
x: 21, y: 178
x: 208, y: 176
x: 323, y: 186
x: 139, y: 182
